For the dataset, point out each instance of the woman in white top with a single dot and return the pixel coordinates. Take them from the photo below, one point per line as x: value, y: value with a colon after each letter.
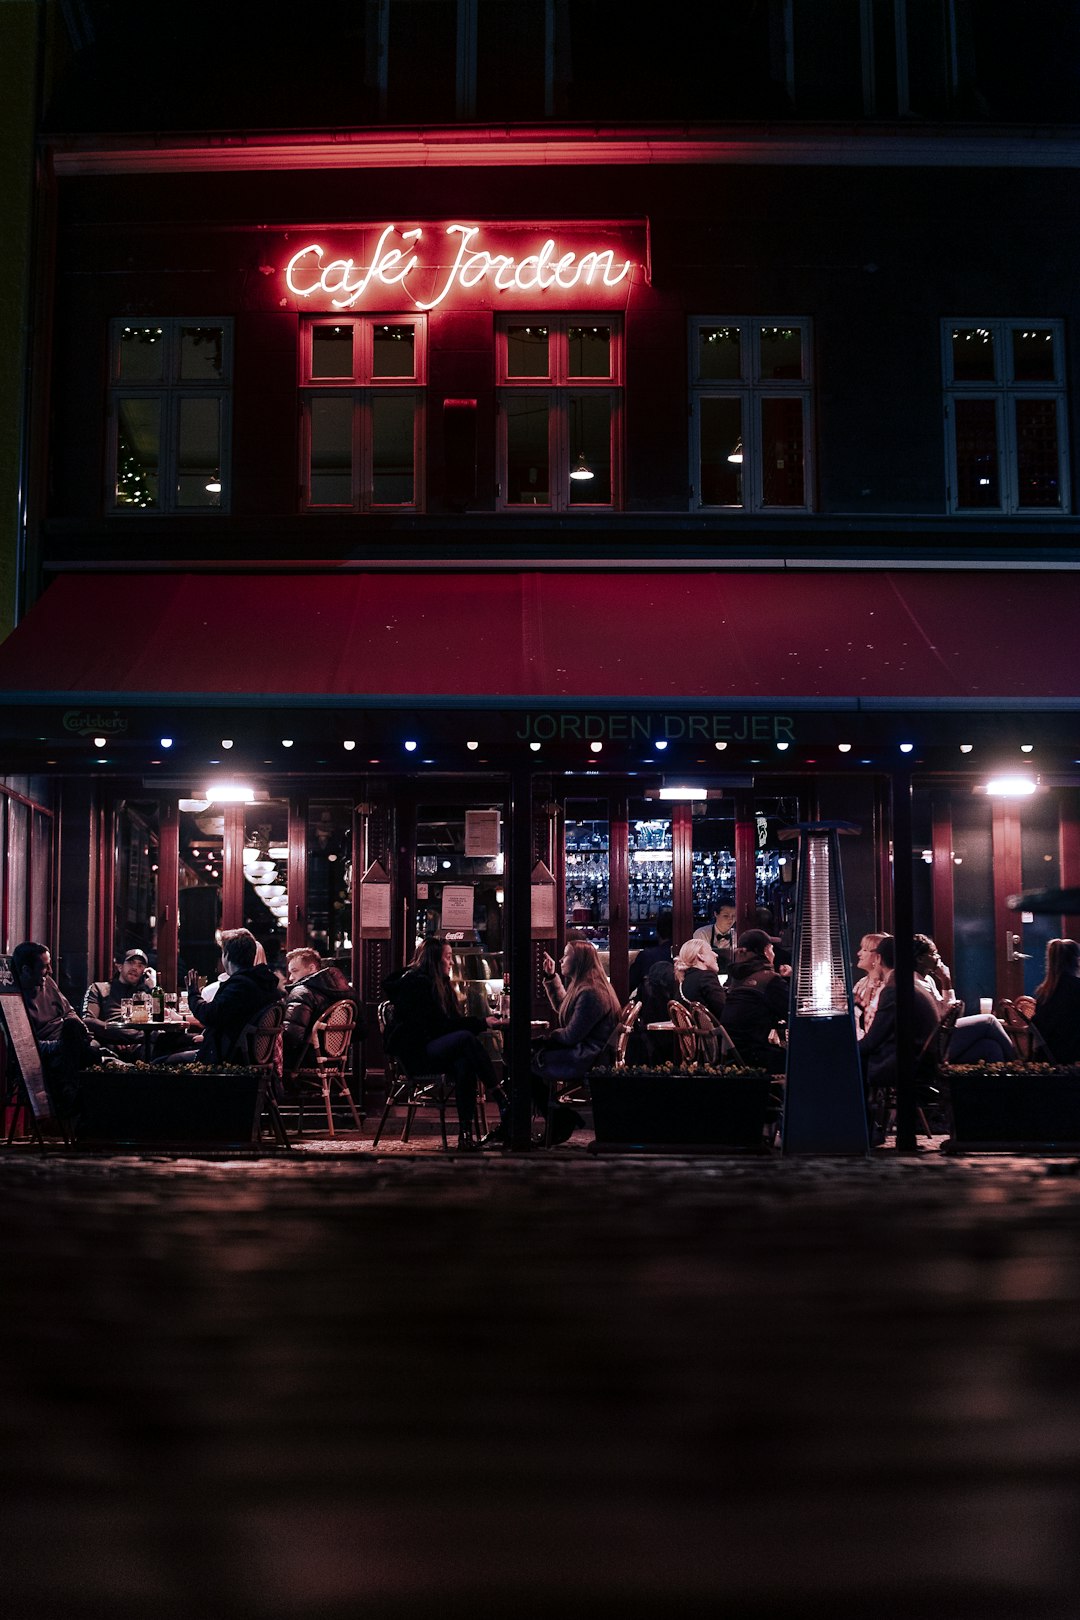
x: 868, y: 989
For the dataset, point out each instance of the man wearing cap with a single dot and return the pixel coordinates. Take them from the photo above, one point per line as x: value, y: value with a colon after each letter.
x: 758, y: 999
x: 101, y: 1004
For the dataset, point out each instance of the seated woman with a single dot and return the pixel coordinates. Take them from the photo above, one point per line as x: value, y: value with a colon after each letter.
x: 867, y: 991
x: 978, y: 1038
x: 588, y: 1012
x: 697, y: 975
x: 1056, y: 1012
x: 431, y: 1033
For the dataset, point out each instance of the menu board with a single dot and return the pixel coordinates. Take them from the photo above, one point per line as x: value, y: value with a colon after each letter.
x: 24, y: 1049
x: 457, y: 905
x: 482, y: 834
x: 375, y: 902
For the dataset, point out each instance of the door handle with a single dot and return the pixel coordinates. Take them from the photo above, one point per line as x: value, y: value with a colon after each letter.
x: 1011, y: 952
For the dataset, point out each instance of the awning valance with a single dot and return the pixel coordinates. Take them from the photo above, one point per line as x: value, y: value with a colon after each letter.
x: 874, y: 639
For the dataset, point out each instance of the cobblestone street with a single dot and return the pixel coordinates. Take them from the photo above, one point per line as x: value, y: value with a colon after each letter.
x: 335, y: 1384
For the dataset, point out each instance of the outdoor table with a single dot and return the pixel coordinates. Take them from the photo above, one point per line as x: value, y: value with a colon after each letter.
x: 151, y: 1028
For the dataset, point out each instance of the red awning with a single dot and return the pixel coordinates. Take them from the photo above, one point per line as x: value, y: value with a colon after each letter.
x: 835, y: 639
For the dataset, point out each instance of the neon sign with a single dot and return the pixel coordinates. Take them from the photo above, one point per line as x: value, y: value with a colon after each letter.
x: 396, y: 259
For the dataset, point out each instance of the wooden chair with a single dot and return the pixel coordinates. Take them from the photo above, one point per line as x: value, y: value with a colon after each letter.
x: 322, y: 1063
x: 411, y: 1091
x: 258, y: 1046
x: 699, y: 1037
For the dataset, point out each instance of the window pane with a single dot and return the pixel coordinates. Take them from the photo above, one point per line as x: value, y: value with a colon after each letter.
x: 510, y: 59
x: 198, y: 467
x: 782, y: 482
x: 973, y: 354
x: 587, y: 837
x: 332, y: 351
x: 330, y: 477
x: 1038, y: 479
x: 527, y: 471
x: 1033, y: 354
x: 266, y: 874
x: 138, y: 451
x: 590, y: 351
x: 781, y: 352
x: 393, y: 449
x: 201, y: 353
x: 590, y: 436
x: 135, y: 858
x: 18, y: 861
x: 976, y: 453
x: 718, y: 354
x: 142, y: 354
x: 527, y: 351
x: 394, y: 351
x: 202, y: 836
x: 329, y: 879
x: 721, y: 439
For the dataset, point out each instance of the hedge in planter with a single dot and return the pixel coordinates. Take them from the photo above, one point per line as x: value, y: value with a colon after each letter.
x: 1013, y: 1105
x: 150, y: 1104
x: 665, y: 1106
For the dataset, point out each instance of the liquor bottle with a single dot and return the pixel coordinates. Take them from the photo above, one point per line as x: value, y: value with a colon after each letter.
x: 158, y: 1005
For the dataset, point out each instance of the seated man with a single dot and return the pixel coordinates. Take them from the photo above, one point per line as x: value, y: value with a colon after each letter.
x: 249, y: 986
x: 101, y: 1004
x: 63, y: 1040
x: 758, y: 1001
x: 312, y: 989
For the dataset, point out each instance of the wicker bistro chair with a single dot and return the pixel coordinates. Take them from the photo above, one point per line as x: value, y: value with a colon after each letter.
x: 621, y: 1039
x: 699, y: 1038
x: 258, y: 1046
x: 322, y: 1063
x: 411, y: 1091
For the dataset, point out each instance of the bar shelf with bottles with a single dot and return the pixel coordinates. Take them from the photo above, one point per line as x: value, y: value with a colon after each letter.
x: 587, y: 881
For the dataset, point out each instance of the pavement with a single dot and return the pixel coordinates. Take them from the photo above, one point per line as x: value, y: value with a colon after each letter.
x: 349, y: 1383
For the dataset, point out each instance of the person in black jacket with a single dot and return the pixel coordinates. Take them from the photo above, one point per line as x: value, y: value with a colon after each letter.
x: 430, y: 1033
x: 587, y: 1010
x: 758, y: 999
x: 698, y: 977
x: 1057, y: 1001
x: 311, y: 991
x: 247, y: 989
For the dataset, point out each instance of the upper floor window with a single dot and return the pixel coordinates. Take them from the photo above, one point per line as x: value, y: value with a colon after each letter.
x: 750, y: 413
x: 560, y: 411
x: 169, y: 414
x: 363, y: 406
x: 1005, y: 415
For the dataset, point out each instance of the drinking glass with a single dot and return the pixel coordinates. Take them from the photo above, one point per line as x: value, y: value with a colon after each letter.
x: 125, y: 1009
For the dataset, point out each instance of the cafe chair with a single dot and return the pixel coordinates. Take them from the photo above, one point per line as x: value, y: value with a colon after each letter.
x: 322, y: 1064
x: 621, y: 1039
x: 258, y: 1046
x: 699, y: 1037
x: 411, y: 1091
x: 1031, y: 1045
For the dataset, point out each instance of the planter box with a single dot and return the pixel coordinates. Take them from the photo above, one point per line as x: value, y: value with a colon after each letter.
x: 999, y: 1106
x: 674, y: 1109
x: 170, y: 1107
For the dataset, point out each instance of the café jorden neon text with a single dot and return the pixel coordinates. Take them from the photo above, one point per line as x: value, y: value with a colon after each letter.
x: 650, y: 728
x: 398, y: 257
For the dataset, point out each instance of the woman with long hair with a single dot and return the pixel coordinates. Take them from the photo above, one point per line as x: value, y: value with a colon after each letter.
x: 1057, y: 1001
x: 431, y: 1033
x: 697, y: 975
x: 867, y: 991
x: 587, y: 1009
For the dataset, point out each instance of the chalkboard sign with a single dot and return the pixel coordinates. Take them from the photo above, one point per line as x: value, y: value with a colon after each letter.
x: 24, y: 1049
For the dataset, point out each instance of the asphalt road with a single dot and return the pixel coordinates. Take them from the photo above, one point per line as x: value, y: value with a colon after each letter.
x: 405, y: 1384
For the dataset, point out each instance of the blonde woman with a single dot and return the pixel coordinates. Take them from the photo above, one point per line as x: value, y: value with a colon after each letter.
x: 867, y: 991
x: 697, y: 975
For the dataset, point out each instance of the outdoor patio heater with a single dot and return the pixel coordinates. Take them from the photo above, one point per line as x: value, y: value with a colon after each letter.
x: 824, y: 1104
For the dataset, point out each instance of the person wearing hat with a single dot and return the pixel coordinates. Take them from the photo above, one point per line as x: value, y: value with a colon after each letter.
x: 758, y: 1000
x: 102, y: 1002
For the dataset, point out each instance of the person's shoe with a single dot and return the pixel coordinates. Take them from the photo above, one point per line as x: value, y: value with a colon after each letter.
x: 565, y: 1122
x: 467, y: 1143
x: 499, y: 1137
